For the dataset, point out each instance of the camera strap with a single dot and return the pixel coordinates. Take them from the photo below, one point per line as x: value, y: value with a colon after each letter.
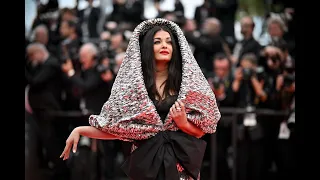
x: 250, y: 120
x: 284, y: 132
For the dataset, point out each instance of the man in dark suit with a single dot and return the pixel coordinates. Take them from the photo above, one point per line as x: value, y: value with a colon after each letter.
x: 43, y: 74
x: 248, y: 44
x: 41, y: 35
x: 92, y: 88
x: 126, y: 12
x: 88, y: 19
x: 94, y: 92
x: 203, y: 12
x: 208, y: 44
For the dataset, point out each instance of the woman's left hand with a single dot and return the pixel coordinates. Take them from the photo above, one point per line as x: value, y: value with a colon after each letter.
x: 178, y: 113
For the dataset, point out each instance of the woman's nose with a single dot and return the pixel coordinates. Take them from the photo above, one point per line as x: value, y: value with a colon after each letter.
x: 164, y: 45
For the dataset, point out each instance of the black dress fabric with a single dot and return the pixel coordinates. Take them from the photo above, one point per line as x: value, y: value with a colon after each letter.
x: 156, y: 157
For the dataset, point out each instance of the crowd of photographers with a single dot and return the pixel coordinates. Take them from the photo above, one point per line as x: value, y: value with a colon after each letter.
x: 71, y: 64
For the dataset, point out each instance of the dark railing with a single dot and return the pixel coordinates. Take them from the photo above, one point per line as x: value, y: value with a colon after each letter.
x: 232, y: 113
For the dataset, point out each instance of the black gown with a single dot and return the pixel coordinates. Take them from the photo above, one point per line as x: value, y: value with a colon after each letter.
x: 159, y: 157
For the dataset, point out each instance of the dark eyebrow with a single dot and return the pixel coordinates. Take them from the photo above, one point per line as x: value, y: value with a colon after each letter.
x: 160, y: 38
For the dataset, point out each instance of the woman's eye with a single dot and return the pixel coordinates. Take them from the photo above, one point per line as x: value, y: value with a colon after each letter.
x: 156, y: 42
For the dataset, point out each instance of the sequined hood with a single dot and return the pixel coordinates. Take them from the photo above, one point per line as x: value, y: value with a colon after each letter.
x: 129, y: 112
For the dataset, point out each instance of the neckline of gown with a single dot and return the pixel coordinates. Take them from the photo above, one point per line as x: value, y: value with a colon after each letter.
x: 166, y: 98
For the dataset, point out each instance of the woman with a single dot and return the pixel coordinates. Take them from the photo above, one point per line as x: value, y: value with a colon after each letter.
x: 161, y: 102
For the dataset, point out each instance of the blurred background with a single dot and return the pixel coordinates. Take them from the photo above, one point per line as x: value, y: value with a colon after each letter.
x: 245, y: 48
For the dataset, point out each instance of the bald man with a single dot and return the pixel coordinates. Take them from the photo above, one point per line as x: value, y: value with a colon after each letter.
x: 44, y: 79
x: 208, y: 44
x: 41, y: 35
x: 88, y: 81
x: 94, y: 93
x: 212, y: 26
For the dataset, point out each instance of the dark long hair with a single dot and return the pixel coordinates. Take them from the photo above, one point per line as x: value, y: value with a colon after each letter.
x: 174, y: 79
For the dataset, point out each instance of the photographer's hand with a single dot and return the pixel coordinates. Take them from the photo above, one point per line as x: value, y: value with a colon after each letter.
x: 238, y: 75
x: 291, y: 88
x: 234, y: 60
x: 67, y: 68
x: 258, y: 88
x: 220, y: 92
x: 279, y: 82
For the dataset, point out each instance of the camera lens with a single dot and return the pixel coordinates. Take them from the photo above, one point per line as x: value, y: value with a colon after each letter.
x: 216, y: 83
x: 247, y: 72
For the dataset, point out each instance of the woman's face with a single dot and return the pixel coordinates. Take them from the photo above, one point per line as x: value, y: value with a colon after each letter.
x: 162, y: 46
x: 275, y: 30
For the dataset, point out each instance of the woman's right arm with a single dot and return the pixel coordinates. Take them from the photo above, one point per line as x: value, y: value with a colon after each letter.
x: 74, y: 137
x: 92, y: 132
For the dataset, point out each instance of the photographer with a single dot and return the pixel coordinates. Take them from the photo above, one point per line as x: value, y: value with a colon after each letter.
x: 89, y: 82
x: 220, y: 80
x: 271, y: 60
x: 207, y: 44
x: 68, y: 50
x: 69, y: 47
x: 250, y: 93
x: 287, y: 60
x: 248, y: 79
x: 43, y: 76
x: 41, y: 35
x: 94, y: 92
x: 105, y: 69
x: 280, y: 76
x: 105, y: 44
x: 117, y: 62
x: 112, y: 43
x: 285, y: 153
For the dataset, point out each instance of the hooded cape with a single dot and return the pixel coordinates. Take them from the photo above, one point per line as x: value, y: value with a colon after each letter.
x: 129, y: 112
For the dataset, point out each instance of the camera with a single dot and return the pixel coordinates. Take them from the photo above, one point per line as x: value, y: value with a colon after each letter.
x: 274, y: 58
x: 289, y: 70
x: 69, y: 51
x: 102, y: 68
x: 216, y: 82
x: 260, y: 73
x: 291, y: 121
x: 104, y: 45
x: 104, y: 48
x: 288, y: 80
x: 247, y: 73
